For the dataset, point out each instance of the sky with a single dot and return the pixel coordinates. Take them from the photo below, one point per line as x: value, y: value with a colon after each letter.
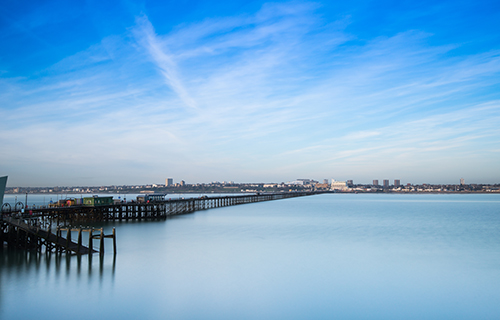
x: 133, y: 92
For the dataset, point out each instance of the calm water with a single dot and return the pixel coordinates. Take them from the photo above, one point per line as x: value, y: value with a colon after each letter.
x: 321, y: 257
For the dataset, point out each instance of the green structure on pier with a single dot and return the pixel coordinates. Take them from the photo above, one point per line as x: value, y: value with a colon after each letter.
x: 97, y: 201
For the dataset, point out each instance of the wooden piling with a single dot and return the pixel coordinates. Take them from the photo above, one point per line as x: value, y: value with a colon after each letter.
x: 101, y: 246
x: 68, y: 238
x: 79, y: 246
x: 91, y: 245
x: 57, y: 238
x: 47, y: 241
x: 114, y: 241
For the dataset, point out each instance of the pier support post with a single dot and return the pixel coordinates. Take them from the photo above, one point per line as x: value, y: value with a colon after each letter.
x: 101, y: 246
x: 47, y: 241
x: 79, y: 241
x: 68, y: 238
x: 114, y: 241
x: 91, y: 242
x: 58, y: 232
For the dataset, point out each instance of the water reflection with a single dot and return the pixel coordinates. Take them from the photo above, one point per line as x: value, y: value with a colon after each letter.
x: 23, y: 270
x: 308, y: 258
x: 23, y: 261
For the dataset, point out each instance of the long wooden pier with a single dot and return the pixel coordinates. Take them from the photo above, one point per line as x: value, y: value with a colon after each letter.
x: 33, y: 229
x: 153, y: 210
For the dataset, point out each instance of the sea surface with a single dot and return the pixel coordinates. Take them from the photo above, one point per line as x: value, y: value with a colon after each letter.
x: 331, y: 256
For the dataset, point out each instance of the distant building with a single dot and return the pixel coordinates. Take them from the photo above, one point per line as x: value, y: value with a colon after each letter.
x: 322, y: 186
x: 169, y: 182
x: 325, y: 181
x: 338, y: 185
x: 303, y: 182
x: 296, y: 182
x: 306, y: 181
x: 386, y: 183
x: 397, y: 183
x: 462, y: 181
x: 183, y: 183
x: 350, y: 183
x: 375, y: 182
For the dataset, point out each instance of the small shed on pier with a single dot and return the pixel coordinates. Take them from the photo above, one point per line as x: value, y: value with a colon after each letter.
x: 97, y: 201
x: 151, y: 197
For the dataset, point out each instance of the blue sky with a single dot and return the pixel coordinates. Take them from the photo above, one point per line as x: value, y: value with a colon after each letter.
x: 133, y: 92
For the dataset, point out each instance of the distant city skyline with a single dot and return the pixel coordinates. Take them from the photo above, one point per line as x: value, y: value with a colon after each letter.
x: 298, y: 185
x: 171, y: 182
x: 135, y: 92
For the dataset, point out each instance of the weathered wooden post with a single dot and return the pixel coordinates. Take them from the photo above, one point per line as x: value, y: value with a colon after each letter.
x: 114, y: 241
x: 38, y: 240
x: 47, y: 241
x: 57, y: 238
x: 91, y: 242
x: 101, y: 246
x: 79, y: 240
x: 25, y: 240
x: 68, y: 238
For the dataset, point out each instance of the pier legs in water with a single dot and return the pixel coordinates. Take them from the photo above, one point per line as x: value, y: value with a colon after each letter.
x: 21, y: 235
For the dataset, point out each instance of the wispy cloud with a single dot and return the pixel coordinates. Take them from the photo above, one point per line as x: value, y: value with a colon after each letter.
x: 147, y: 37
x: 264, y: 96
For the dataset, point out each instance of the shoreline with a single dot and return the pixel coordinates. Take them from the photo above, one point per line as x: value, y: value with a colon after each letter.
x: 233, y: 192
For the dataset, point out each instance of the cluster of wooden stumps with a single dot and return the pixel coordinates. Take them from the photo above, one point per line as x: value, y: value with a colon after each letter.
x: 25, y: 233
x: 93, y: 234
